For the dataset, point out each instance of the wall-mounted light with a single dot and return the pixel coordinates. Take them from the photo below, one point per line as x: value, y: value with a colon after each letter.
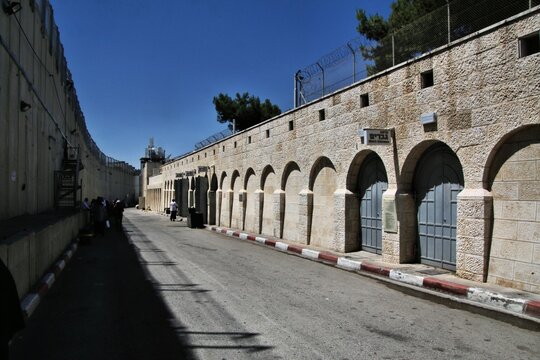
x: 428, y: 118
x: 12, y: 7
x: 25, y: 106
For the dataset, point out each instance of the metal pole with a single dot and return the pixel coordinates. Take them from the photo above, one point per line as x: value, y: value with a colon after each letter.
x: 393, y: 52
x: 320, y: 67
x: 354, y: 63
x: 448, y: 20
x: 295, y: 102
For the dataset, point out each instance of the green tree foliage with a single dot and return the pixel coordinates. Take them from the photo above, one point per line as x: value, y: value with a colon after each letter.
x: 246, y: 109
x: 376, y: 28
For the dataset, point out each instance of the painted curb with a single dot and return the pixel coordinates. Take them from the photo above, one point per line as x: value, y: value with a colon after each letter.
x: 478, y: 295
x: 32, y: 299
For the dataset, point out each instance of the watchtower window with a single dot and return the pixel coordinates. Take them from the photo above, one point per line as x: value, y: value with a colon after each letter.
x: 426, y: 79
x: 364, y: 100
x: 322, y: 115
x: 529, y: 45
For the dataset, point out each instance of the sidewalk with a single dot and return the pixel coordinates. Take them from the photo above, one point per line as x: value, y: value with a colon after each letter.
x: 97, y: 302
x: 418, y: 277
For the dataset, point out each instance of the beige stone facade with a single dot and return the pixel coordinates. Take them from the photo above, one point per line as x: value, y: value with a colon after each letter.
x: 464, y: 186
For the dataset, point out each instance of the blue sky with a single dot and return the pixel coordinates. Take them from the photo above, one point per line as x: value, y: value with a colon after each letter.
x: 151, y: 68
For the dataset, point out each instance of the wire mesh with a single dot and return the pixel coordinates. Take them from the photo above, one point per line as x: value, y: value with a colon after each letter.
x: 213, y: 138
x: 360, y: 57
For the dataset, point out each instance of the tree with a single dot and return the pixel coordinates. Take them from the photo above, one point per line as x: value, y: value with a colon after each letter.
x: 246, y: 109
x: 412, y: 42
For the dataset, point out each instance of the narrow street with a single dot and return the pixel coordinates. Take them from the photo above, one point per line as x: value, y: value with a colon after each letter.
x: 216, y: 297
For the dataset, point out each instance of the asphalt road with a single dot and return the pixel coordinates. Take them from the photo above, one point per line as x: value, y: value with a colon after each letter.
x: 182, y: 293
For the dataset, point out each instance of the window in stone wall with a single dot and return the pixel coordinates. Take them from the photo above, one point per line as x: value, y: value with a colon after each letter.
x: 214, y: 152
x: 268, y: 133
x: 235, y: 144
x: 364, y: 100
x: 249, y: 139
x: 198, y: 157
x: 322, y: 115
x: 291, y: 125
x: 529, y: 45
x: 426, y: 79
x: 223, y: 148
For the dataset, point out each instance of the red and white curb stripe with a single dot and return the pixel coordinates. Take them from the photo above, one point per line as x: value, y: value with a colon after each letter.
x: 32, y: 299
x: 512, y: 304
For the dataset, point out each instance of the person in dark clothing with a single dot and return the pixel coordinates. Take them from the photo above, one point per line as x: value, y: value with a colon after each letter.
x: 118, y: 212
x: 99, y: 212
x: 11, y: 316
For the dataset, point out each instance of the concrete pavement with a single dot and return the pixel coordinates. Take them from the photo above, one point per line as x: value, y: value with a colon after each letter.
x: 507, y: 301
x: 487, y: 298
x: 97, y: 303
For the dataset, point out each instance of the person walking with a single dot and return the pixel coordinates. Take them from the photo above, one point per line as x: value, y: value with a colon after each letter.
x: 174, y: 209
x: 118, y: 211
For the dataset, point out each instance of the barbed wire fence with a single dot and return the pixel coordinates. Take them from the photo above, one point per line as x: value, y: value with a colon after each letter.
x: 360, y: 57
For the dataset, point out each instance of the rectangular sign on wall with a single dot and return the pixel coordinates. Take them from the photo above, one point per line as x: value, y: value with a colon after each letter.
x: 376, y: 136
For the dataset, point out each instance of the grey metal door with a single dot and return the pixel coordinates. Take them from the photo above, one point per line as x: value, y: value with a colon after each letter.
x: 438, y: 180
x: 372, y: 183
x: 201, y: 189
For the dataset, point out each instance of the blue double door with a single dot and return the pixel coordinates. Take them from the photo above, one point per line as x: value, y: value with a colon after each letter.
x: 438, y: 180
x: 372, y: 183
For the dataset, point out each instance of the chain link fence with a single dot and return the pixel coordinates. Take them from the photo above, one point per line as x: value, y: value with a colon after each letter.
x: 360, y: 58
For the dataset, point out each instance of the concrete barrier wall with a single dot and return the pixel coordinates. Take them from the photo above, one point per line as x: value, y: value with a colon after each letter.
x: 29, y: 255
x: 34, y: 139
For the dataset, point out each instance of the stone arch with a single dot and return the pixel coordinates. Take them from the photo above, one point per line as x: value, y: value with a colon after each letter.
x: 222, y: 180
x: 438, y: 178
x: 214, y: 183
x: 249, y: 215
x: 290, y: 167
x: 236, y: 212
x: 181, y: 193
x: 267, y: 170
x: 291, y: 183
x: 323, y: 184
x: 367, y: 180
x: 201, y: 192
x: 406, y: 174
x: 223, y: 203
x: 249, y: 172
x: 269, y: 184
x: 513, y: 178
x: 354, y: 170
x: 321, y: 163
x: 212, y: 200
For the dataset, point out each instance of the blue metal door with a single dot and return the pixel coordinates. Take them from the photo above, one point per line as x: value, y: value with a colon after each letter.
x: 438, y: 180
x: 372, y: 184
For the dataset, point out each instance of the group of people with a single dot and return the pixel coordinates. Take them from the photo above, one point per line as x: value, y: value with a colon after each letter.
x: 103, y: 213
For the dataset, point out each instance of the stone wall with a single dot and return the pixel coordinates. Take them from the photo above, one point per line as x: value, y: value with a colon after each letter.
x: 310, y: 158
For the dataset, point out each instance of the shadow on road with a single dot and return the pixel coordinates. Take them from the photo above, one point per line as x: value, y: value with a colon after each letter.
x: 102, y: 307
